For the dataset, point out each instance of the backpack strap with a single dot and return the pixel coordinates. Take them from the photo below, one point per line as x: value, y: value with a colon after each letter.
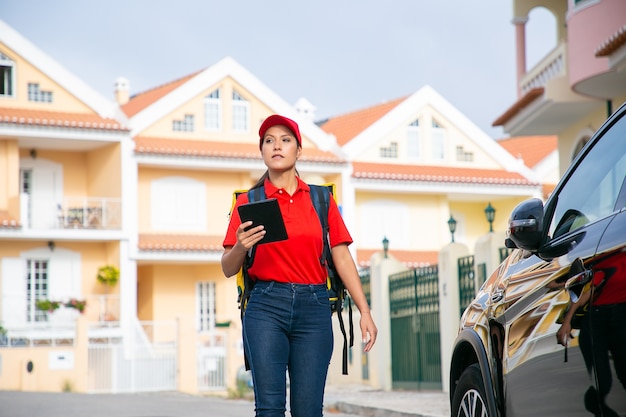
x: 320, y: 197
x: 255, y: 194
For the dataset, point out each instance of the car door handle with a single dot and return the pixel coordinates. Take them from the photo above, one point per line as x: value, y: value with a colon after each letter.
x: 497, y: 296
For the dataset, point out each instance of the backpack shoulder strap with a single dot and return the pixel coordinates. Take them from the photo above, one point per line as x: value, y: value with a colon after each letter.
x: 321, y: 202
x: 320, y: 196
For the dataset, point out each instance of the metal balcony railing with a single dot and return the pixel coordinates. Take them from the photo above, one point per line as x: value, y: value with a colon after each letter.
x: 39, y: 212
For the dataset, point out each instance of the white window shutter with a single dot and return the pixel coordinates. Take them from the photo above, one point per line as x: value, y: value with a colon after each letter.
x: 13, y: 292
x: 64, y: 276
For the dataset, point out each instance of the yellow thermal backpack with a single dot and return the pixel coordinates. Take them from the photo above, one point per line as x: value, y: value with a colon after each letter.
x: 320, y: 197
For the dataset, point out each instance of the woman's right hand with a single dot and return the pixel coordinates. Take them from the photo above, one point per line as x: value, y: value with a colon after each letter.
x: 248, y: 236
x: 233, y: 256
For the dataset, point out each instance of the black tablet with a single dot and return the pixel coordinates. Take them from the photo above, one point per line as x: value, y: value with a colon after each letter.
x: 266, y: 213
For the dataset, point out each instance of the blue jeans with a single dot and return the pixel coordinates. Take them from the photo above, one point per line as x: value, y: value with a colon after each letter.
x: 287, y: 327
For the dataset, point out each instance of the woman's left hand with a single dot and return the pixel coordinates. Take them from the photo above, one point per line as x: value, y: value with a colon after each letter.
x: 368, y: 330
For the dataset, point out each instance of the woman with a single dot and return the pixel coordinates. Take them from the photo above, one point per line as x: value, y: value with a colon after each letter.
x: 287, y: 324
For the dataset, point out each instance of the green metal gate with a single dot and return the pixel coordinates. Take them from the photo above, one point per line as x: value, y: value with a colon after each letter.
x: 415, y: 340
x: 467, y: 282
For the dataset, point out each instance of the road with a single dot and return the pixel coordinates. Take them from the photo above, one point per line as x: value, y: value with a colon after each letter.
x: 169, y: 404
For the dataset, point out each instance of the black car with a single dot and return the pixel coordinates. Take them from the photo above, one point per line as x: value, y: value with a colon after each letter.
x: 546, y: 333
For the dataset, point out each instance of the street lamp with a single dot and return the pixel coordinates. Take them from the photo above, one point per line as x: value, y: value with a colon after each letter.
x: 490, y: 212
x: 385, y: 246
x: 452, y: 226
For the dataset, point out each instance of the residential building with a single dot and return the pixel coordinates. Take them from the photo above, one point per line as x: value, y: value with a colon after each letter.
x: 144, y: 184
x: 579, y: 83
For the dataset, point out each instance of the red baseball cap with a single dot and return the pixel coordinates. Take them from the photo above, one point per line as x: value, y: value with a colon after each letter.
x: 275, y: 120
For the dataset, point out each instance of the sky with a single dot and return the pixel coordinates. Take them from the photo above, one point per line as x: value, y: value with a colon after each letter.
x: 341, y: 55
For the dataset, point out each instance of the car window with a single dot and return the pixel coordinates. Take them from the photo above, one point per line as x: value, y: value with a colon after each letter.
x: 592, y: 190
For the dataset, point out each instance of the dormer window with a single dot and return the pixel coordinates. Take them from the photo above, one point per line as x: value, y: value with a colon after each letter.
x: 464, y: 156
x: 241, y: 113
x: 213, y: 111
x: 438, y: 142
x: 38, y: 95
x: 7, y: 74
x: 413, y: 140
x: 390, y: 151
x: 185, y: 125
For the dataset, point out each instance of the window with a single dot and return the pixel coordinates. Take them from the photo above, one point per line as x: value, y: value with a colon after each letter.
x: 36, y: 288
x: 464, y: 156
x: 35, y: 94
x: 205, y: 301
x: 6, y: 76
x: 178, y: 204
x: 438, y: 141
x: 592, y: 190
x: 185, y: 125
x: 213, y: 111
x: 413, y: 140
x: 393, y: 221
x: 241, y: 113
x: 390, y: 151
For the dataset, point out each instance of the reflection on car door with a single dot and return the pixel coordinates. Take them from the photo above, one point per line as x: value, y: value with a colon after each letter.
x: 533, y: 361
x: 607, y: 317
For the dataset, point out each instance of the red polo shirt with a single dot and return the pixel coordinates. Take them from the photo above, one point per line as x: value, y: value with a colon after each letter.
x: 296, y: 259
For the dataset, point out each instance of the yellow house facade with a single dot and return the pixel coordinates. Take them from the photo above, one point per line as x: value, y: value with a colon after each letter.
x: 144, y: 183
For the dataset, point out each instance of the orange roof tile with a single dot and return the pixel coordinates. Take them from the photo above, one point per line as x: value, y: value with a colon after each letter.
x: 58, y: 119
x: 180, y: 243
x: 613, y: 43
x: 436, y: 174
x: 7, y: 221
x: 200, y: 148
x: 532, y: 149
x: 411, y: 258
x: 140, y: 101
x: 347, y: 126
x: 528, y: 98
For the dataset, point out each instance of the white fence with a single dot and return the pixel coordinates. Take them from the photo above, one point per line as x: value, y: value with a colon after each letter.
x: 212, y: 361
x: 134, y: 363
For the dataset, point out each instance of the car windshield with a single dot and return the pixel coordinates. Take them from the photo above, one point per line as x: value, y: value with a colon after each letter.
x: 592, y: 190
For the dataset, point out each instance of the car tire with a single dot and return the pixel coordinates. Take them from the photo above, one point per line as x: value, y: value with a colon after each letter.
x: 470, y: 399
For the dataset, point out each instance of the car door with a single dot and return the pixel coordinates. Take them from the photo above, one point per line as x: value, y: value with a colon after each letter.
x: 540, y: 376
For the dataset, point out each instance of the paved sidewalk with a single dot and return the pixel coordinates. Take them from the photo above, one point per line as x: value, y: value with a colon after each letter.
x: 340, y: 401
x: 368, y: 402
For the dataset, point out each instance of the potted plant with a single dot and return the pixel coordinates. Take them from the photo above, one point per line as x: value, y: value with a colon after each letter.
x: 51, y: 306
x: 108, y: 275
x: 47, y: 305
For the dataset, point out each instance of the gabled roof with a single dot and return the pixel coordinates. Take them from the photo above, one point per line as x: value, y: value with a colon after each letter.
x: 531, y: 149
x: 29, y: 117
x: 79, y: 89
x: 377, y: 121
x: 445, y: 174
x: 347, y: 126
x: 223, y: 150
x: 140, y: 101
x: 149, y: 107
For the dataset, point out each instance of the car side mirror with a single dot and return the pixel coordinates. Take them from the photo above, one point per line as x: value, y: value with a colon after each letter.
x: 526, y: 225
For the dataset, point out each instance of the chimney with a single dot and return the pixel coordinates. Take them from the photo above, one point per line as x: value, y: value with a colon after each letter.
x: 122, y: 94
x: 305, y: 109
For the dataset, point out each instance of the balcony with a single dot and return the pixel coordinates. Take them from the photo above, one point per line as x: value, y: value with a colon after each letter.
x: 547, y: 104
x: 59, y: 328
x: 47, y: 213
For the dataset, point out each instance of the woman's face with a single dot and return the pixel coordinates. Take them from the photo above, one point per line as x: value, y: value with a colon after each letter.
x: 280, y: 148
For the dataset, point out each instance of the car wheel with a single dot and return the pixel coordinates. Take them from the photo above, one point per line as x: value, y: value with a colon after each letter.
x: 470, y: 399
